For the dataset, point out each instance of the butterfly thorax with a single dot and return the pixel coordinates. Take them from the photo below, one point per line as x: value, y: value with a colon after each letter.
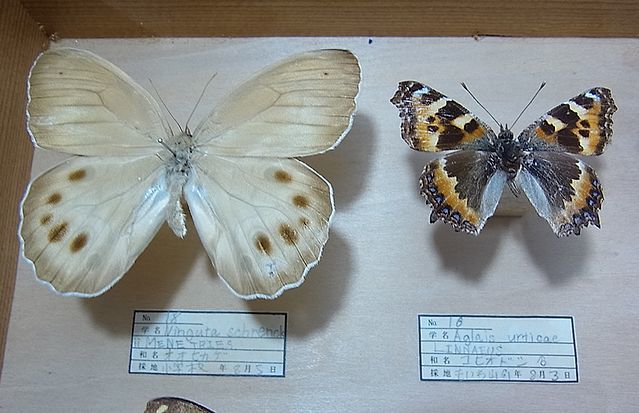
x: 509, y: 153
x: 179, y: 166
x: 182, y: 149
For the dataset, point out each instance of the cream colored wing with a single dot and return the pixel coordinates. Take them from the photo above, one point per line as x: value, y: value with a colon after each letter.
x: 263, y: 221
x: 81, y: 104
x: 301, y: 106
x: 85, y: 221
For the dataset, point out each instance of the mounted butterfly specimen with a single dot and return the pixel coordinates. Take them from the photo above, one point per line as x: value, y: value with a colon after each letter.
x: 262, y: 216
x: 465, y: 186
x: 174, y: 405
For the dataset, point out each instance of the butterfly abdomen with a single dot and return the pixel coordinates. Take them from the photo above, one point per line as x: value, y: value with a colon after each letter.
x: 179, y: 166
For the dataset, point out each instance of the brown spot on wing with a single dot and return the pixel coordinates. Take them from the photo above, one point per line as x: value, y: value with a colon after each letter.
x: 564, y: 114
x: 288, y: 234
x: 263, y: 243
x: 545, y: 129
x: 57, y: 233
x: 450, y: 137
x: 451, y: 110
x: 304, y: 221
x: 77, y: 175
x: 54, y: 198
x: 46, y: 218
x: 471, y: 126
x: 584, y: 101
x: 79, y: 242
x: 568, y: 139
x: 283, y: 176
x: 301, y: 201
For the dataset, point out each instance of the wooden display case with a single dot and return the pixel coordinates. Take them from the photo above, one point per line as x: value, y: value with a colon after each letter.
x: 29, y: 26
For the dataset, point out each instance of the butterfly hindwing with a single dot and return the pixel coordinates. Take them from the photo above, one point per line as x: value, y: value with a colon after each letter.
x: 82, y: 231
x: 564, y: 190
x: 463, y: 188
x: 263, y: 221
x: 582, y: 125
x: 432, y: 122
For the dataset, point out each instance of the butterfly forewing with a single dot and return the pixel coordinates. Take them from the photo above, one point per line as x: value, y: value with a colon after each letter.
x: 301, y: 106
x: 81, y: 104
x: 432, y: 122
x: 581, y: 125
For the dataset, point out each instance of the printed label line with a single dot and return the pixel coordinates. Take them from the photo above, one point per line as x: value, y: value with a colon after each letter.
x: 164, y: 323
x: 210, y: 361
x: 495, y: 342
x: 523, y: 367
x: 207, y: 349
x: 437, y: 353
x: 458, y: 328
x: 199, y: 337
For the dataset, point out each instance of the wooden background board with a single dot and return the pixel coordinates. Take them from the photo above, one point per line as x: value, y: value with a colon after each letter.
x: 21, y: 41
x: 118, y: 18
x: 352, y: 343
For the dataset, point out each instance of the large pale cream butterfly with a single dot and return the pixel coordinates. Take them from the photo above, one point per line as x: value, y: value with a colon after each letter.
x: 174, y: 405
x: 262, y: 216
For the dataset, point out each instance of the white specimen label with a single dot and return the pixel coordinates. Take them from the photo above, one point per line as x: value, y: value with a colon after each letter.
x: 497, y: 348
x: 208, y: 343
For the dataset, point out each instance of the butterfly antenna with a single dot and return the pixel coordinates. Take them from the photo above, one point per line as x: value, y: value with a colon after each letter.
x: 186, y: 127
x: 479, y: 103
x: 165, y: 107
x: 531, y: 101
x: 167, y: 147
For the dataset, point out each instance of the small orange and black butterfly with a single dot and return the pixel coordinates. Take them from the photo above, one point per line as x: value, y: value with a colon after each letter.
x: 465, y: 186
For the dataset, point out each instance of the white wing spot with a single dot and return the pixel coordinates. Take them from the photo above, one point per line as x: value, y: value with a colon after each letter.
x: 271, y: 269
